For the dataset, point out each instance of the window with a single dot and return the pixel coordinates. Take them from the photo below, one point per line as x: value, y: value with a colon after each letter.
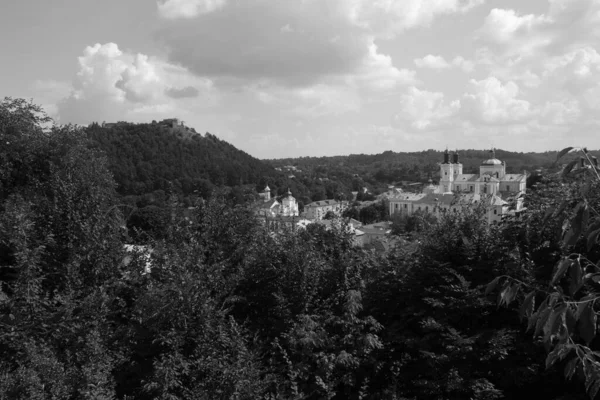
x: 396, y: 206
x: 508, y: 188
x: 484, y: 188
x: 495, y: 212
x: 446, y: 173
x: 406, y: 206
x: 426, y: 208
x: 471, y: 188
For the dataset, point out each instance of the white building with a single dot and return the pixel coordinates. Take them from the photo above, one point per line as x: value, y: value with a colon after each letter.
x: 318, y: 209
x: 493, y: 186
x: 271, y: 207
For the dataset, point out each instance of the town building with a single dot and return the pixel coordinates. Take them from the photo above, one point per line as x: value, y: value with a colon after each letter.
x: 318, y: 209
x: 492, y: 186
x: 271, y: 207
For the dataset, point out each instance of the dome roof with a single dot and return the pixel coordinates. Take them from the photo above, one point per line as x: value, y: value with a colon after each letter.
x: 492, y: 161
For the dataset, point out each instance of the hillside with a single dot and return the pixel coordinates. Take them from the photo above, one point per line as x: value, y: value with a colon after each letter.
x: 148, y: 157
x: 378, y: 170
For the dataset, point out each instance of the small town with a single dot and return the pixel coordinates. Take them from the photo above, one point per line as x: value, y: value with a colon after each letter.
x: 300, y: 200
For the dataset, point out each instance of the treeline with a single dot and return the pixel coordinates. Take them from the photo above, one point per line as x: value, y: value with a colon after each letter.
x: 217, y: 307
x: 378, y: 170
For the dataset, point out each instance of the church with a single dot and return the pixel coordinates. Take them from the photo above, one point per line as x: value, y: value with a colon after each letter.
x: 492, y: 186
x: 271, y: 207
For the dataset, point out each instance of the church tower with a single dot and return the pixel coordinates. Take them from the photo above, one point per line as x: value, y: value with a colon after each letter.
x: 266, y: 193
x: 447, y: 172
x: 458, y: 167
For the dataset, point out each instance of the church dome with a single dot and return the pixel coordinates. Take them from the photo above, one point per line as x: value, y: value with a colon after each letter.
x: 492, y: 161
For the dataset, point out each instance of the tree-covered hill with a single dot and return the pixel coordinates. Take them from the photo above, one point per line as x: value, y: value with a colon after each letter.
x: 148, y: 157
x: 376, y: 171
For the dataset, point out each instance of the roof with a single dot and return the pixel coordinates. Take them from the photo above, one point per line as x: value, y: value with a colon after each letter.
x: 374, y: 231
x: 266, y: 205
x: 438, y: 198
x: 492, y: 161
x: 322, y: 203
x: 407, y: 196
x: 514, y: 178
x: 466, y: 178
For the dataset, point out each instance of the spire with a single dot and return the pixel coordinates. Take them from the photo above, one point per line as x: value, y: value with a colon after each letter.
x: 446, y: 156
x: 493, y: 151
x: 455, y: 157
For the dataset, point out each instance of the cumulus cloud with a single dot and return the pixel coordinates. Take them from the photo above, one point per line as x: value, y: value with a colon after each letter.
x: 297, y: 43
x: 465, y: 65
x: 421, y: 109
x: 439, y: 63
x: 113, y: 84
x: 431, y: 61
x: 491, y: 102
x: 174, y: 9
x: 387, y: 18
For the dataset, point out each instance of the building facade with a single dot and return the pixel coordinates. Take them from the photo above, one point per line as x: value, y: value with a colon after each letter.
x: 271, y: 207
x: 318, y: 209
x: 492, y: 186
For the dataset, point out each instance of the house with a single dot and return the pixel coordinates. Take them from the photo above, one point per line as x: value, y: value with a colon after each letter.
x: 318, y: 209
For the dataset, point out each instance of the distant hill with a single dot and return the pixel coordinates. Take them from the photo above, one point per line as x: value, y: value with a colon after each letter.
x: 376, y: 171
x: 148, y: 157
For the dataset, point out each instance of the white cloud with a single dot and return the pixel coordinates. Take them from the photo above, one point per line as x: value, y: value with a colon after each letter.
x: 575, y: 71
x: 112, y: 84
x: 505, y: 25
x: 466, y: 65
x: 439, y: 63
x: 421, y: 109
x: 173, y: 9
x: 491, y: 102
x: 387, y: 18
x: 431, y: 61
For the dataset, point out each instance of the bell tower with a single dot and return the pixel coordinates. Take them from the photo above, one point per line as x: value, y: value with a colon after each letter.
x: 447, y: 173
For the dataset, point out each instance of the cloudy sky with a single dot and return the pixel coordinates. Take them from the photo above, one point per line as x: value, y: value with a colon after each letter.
x: 281, y: 78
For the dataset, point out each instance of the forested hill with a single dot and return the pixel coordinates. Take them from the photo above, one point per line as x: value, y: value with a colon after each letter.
x: 390, y: 166
x: 148, y: 157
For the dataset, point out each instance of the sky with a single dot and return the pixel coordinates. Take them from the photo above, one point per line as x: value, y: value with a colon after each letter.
x: 292, y: 78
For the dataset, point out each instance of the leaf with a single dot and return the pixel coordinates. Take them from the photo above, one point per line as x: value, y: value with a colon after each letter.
x: 564, y: 151
x: 592, y: 239
x: 562, y: 207
x: 585, y: 188
x: 563, y: 265
x: 580, y: 220
x: 541, y: 322
x: 594, y: 388
x: 492, y: 285
x: 576, y: 275
x: 555, y: 321
x: 571, y: 367
x: 570, y: 320
x: 559, y: 353
x: 509, y: 293
x: 569, y: 168
x: 587, y: 322
x: 528, y: 305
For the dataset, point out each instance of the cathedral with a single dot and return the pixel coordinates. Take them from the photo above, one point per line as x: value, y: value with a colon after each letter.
x: 492, y: 185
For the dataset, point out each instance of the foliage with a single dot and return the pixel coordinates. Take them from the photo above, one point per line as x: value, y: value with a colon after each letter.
x: 216, y: 306
x: 565, y: 320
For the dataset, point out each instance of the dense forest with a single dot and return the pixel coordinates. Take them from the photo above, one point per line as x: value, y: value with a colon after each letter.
x: 217, y: 307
